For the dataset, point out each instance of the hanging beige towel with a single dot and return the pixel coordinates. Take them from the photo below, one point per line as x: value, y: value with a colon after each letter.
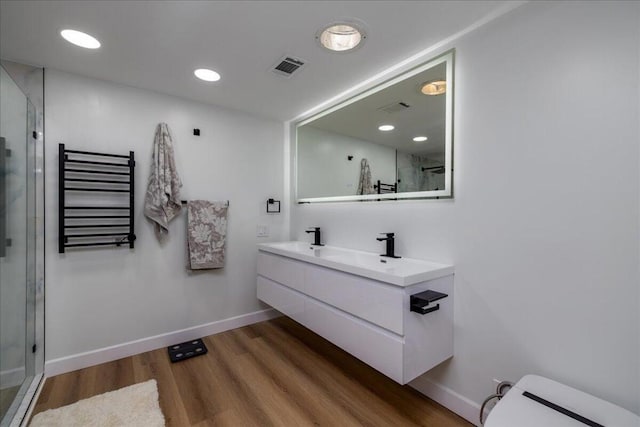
x: 206, y: 233
x: 162, y: 201
x: 365, y: 185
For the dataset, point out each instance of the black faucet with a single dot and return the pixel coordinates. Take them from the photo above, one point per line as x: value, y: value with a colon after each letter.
x: 316, y: 236
x: 390, y: 245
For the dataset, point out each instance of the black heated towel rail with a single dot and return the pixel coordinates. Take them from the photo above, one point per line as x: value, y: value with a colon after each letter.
x: 86, y: 177
x: 382, y: 188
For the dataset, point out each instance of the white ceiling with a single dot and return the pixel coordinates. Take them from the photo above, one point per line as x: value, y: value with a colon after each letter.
x: 156, y: 45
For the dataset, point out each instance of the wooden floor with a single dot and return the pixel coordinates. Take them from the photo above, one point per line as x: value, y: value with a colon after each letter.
x: 273, y: 373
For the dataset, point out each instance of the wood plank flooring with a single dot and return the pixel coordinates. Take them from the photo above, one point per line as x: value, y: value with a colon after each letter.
x: 273, y: 373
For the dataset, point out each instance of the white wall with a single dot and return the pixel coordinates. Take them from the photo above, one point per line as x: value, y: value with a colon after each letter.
x: 327, y: 170
x: 543, y: 229
x: 109, y: 296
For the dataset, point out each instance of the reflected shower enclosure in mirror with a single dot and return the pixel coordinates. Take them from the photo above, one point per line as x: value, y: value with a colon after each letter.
x: 391, y: 142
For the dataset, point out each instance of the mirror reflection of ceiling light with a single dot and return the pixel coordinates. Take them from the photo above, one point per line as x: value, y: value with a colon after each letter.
x: 341, y: 37
x: 435, y: 87
x: 420, y: 139
x: 79, y: 38
x: 386, y: 128
x: 207, y: 75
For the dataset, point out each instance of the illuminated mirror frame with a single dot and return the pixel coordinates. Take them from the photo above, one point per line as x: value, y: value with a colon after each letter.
x: 447, y: 192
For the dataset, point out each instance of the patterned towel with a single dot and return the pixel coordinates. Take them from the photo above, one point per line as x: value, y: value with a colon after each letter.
x: 365, y: 185
x: 206, y: 234
x: 162, y: 200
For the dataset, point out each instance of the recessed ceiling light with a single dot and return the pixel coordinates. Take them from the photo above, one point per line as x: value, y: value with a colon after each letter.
x: 435, y: 87
x: 80, y: 39
x: 420, y: 139
x: 207, y: 75
x: 386, y: 128
x: 341, y: 37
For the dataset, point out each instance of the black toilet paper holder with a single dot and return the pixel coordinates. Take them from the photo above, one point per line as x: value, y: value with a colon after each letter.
x: 419, y: 303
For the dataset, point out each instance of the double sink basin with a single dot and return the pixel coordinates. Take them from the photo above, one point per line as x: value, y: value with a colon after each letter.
x: 396, y: 271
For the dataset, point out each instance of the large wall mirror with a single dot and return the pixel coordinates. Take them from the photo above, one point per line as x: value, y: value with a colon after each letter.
x: 346, y: 153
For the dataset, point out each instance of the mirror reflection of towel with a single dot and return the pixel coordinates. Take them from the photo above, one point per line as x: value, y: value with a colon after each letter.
x: 206, y: 234
x: 365, y: 185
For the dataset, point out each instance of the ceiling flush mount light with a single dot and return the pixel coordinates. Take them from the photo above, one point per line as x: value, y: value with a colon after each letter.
x: 207, y: 75
x: 386, y: 128
x: 341, y: 37
x: 420, y: 139
x: 435, y: 87
x: 80, y: 39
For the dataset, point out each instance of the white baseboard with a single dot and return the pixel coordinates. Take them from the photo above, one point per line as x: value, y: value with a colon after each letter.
x: 108, y: 354
x: 12, y: 377
x: 466, y: 408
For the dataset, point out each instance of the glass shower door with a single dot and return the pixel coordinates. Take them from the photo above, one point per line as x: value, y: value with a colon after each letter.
x: 17, y: 246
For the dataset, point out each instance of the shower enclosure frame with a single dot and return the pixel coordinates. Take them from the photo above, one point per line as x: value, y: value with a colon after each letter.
x: 30, y: 81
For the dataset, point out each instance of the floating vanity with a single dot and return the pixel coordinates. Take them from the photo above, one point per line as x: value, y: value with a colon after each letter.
x: 396, y: 315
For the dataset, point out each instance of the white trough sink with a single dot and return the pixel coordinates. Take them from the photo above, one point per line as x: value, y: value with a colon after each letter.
x: 396, y: 271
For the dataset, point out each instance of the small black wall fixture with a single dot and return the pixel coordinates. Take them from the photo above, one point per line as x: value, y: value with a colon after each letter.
x: 349, y: 158
x: 273, y: 206
x: 196, y: 132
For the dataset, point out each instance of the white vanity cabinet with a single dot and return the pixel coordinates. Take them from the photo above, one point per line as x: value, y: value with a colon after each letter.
x: 367, y: 317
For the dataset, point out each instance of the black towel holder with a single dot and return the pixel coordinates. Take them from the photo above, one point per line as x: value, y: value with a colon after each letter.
x: 91, y: 173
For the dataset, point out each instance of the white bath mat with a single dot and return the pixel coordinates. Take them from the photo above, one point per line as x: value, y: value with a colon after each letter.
x: 133, y: 406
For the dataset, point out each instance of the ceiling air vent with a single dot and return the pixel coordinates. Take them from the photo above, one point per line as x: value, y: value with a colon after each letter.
x: 395, y: 107
x: 288, y: 65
